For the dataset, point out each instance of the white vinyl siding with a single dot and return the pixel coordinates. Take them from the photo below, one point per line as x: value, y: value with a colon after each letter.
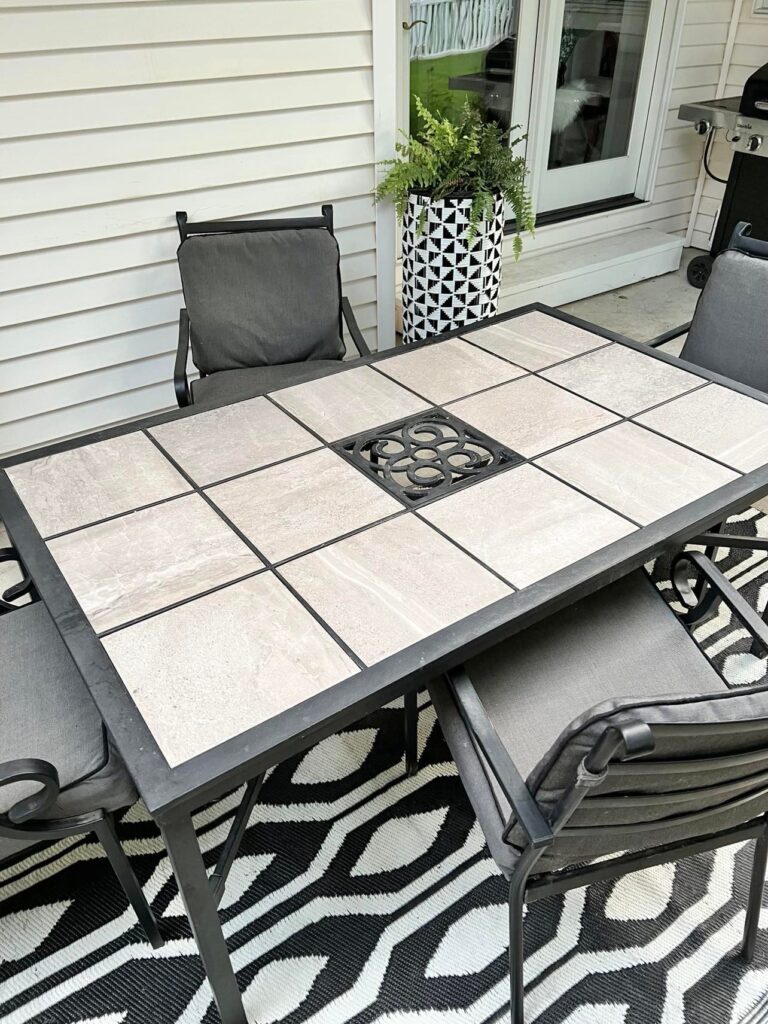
x: 114, y: 116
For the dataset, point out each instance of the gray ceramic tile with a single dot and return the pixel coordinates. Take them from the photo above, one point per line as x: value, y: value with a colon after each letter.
x: 392, y: 585
x: 638, y: 473
x: 214, y: 667
x: 233, y: 439
x: 138, y: 563
x: 531, y: 416
x: 623, y: 379
x: 532, y: 524
x: 535, y: 340
x: 448, y: 370
x: 294, y: 506
x: 718, y: 422
x: 348, y: 402
x: 80, y: 486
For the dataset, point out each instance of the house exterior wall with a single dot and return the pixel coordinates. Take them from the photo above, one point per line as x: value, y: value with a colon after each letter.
x: 745, y: 50
x: 115, y: 116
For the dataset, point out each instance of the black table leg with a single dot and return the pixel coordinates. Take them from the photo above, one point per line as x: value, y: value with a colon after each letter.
x: 200, y: 903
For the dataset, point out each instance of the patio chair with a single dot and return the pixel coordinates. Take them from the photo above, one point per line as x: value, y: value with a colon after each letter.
x: 59, y: 773
x: 629, y: 761
x: 264, y: 307
x: 727, y: 333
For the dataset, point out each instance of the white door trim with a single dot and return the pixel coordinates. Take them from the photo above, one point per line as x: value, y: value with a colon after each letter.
x: 388, y: 88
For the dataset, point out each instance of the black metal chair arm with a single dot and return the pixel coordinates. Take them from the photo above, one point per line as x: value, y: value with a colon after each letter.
x: 675, y: 332
x: 30, y: 769
x: 180, y: 381
x: 729, y: 540
x: 521, y: 800
x: 18, y: 589
x: 355, y: 333
x: 724, y: 590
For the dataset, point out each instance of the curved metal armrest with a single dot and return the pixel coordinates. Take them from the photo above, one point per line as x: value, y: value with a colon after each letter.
x: 355, y: 333
x: 662, y: 339
x: 18, y: 589
x: 30, y: 769
x: 730, y: 540
x: 720, y: 588
x: 522, y: 801
x: 180, y: 382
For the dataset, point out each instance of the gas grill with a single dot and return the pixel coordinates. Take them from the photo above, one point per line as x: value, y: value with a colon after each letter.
x: 744, y: 119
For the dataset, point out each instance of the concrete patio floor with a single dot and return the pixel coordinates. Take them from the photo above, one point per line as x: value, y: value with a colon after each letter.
x: 646, y: 309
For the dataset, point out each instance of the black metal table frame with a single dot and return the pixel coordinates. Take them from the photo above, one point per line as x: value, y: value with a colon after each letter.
x: 171, y: 795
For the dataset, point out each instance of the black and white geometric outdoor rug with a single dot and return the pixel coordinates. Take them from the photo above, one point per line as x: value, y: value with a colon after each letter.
x: 362, y: 896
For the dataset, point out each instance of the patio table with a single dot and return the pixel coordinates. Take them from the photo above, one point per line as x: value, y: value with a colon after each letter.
x: 236, y: 583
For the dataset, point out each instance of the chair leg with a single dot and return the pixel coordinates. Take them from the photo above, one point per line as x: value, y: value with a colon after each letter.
x: 107, y: 835
x: 755, y: 904
x: 411, y: 723
x: 235, y: 837
x: 516, y: 984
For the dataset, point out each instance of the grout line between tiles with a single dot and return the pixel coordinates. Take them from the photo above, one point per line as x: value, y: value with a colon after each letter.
x: 120, y: 515
x: 605, y: 343
x: 592, y: 497
x: 466, y: 551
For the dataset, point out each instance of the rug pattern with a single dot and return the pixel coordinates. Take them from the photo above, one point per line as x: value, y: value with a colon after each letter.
x: 362, y: 896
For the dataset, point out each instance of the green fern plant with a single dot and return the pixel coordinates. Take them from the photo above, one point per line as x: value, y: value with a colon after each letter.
x: 467, y: 156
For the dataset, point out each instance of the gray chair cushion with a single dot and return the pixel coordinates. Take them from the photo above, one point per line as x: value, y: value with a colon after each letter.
x: 237, y: 385
x: 619, y: 654
x: 257, y: 298
x: 729, y: 331
x: 47, y: 712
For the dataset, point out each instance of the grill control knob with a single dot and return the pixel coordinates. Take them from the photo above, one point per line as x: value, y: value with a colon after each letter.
x: 754, y: 142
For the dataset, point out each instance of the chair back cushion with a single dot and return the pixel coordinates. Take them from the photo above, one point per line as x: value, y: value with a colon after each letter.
x: 260, y: 298
x: 707, y: 773
x: 729, y: 331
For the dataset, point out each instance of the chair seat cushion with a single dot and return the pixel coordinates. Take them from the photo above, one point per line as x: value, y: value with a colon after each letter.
x: 48, y: 713
x: 236, y: 385
x: 623, y: 642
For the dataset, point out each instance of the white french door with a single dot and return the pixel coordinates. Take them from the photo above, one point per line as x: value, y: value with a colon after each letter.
x: 594, y: 71
x: 577, y: 75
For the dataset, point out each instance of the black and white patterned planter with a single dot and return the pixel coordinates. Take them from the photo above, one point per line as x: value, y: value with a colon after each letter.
x: 446, y: 281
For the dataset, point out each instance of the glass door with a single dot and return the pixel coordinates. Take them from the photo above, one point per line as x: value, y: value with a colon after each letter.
x: 464, y: 51
x: 598, y: 63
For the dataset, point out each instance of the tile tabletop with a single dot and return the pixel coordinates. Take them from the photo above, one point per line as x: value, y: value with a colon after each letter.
x: 234, y: 439
x: 723, y: 424
x: 447, y: 371
x: 531, y: 415
x: 636, y: 472
x: 239, y: 561
x: 207, y: 670
x: 535, y: 340
x: 386, y: 588
x: 301, y: 503
x: 121, y: 570
x: 525, y: 524
x: 83, y: 485
x: 623, y: 379
x: 346, y: 403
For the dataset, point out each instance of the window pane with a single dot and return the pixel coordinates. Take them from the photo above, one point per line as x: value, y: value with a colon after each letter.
x: 463, y: 50
x: 601, y: 49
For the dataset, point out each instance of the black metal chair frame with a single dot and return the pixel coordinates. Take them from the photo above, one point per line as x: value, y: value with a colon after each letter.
x: 210, y: 227
x: 740, y: 242
x: 615, y: 745
x: 23, y: 820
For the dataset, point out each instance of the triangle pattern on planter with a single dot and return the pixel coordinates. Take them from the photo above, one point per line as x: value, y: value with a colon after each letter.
x: 446, y: 281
